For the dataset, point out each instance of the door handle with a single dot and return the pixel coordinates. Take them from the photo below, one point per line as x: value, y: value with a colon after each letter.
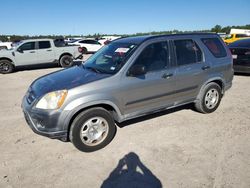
x: 32, y: 52
x: 49, y: 50
x: 205, y: 67
x: 167, y: 75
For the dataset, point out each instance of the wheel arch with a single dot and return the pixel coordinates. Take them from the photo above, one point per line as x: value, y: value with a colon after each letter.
x: 114, y: 111
x: 217, y: 80
x: 8, y: 59
x: 63, y: 54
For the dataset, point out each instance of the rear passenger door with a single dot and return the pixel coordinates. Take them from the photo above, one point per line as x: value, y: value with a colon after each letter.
x: 44, y: 52
x: 191, y: 69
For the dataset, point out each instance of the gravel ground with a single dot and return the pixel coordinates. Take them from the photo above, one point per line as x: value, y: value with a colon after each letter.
x: 176, y: 148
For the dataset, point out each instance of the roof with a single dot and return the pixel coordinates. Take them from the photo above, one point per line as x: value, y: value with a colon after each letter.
x: 42, y: 39
x: 141, y: 39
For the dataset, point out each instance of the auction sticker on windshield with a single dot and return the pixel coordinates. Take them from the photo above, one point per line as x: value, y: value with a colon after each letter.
x: 122, y: 50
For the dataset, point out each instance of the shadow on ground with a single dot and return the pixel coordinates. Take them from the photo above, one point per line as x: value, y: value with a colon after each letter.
x: 131, y: 173
x: 157, y: 114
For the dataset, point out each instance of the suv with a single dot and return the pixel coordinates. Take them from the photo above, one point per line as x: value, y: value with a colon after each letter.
x: 128, y: 78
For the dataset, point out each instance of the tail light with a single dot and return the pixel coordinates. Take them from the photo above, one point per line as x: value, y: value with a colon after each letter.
x: 80, y: 50
x: 107, y: 42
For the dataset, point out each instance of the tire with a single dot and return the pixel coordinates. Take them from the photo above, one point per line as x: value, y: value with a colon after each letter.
x: 66, y: 61
x: 209, y: 98
x: 84, y: 50
x: 6, y: 67
x: 87, y: 134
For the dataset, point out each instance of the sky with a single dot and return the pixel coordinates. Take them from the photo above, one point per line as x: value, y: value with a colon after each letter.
x: 82, y: 17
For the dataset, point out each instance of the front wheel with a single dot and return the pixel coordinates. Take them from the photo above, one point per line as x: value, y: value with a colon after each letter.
x: 6, y: 67
x: 209, y: 99
x: 66, y: 61
x: 92, y: 130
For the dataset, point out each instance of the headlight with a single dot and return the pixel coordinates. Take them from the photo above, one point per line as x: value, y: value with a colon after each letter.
x: 52, y: 100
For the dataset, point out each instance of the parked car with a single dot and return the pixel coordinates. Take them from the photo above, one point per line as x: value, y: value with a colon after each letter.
x: 70, y: 40
x: 241, y: 55
x: 107, y: 39
x: 5, y: 45
x: 37, y: 51
x: 128, y: 78
x: 88, y: 45
x: 234, y: 37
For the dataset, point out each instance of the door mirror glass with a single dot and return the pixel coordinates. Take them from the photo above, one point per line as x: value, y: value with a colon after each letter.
x: 137, y: 70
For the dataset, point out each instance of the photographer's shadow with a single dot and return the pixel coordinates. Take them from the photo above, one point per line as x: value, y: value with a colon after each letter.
x: 131, y: 172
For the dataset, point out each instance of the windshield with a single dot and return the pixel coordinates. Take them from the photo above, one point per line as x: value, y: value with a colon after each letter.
x: 110, y: 58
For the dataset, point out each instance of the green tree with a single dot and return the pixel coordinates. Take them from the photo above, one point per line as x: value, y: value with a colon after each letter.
x: 216, y: 29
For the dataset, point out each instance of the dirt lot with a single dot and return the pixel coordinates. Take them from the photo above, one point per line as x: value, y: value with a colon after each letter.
x: 177, y: 148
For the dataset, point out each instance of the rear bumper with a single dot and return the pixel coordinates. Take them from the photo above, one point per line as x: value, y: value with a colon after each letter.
x: 241, y: 69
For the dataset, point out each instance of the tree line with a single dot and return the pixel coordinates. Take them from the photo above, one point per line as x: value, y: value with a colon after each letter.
x: 216, y: 29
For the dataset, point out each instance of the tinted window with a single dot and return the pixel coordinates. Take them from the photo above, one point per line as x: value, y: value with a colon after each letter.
x: 44, y: 44
x: 59, y: 42
x: 215, y: 47
x: 154, y: 57
x: 187, y: 52
x: 28, y: 46
x: 89, y: 42
x: 240, y: 35
x: 241, y: 43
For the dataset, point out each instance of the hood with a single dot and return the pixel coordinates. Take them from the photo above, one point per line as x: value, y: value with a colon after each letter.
x: 6, y: 52
x: 64, y: 79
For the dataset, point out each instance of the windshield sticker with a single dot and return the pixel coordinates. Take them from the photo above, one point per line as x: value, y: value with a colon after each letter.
x: 112, y: 68
x: 122, y: 50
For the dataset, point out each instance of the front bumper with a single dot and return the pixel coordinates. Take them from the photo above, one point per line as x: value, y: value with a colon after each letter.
x: 45, y: 123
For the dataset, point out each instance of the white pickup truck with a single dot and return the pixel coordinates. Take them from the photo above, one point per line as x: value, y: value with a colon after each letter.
x: 5, y: 45
x: 36, y: 52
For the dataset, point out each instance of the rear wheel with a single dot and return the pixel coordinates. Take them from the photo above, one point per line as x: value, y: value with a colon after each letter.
x: 6, y: 67
x: 209, y: 99
x: 66, y: 61
x: 92, y: 130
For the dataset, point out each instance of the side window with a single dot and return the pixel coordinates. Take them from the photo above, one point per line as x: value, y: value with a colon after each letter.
x: 44, y: 44
x: 83, y: 41
x: 27, y: 46
x: 215, y: 47
x: 240, y: 35
x: 154, y: 57
x: 187, y: 52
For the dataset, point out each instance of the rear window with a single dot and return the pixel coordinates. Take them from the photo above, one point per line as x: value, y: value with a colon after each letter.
x: 215, y: 47
x: 240, y: 35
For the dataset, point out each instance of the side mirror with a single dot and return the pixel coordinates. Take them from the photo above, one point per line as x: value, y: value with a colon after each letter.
x: 19, y: 50
x: 137, y: 70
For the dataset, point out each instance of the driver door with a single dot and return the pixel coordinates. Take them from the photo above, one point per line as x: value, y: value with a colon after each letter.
x: 26, y: 54
x: 155, y: 89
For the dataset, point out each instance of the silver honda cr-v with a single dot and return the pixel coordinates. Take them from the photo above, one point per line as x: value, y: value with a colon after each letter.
x: 128, y: 78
